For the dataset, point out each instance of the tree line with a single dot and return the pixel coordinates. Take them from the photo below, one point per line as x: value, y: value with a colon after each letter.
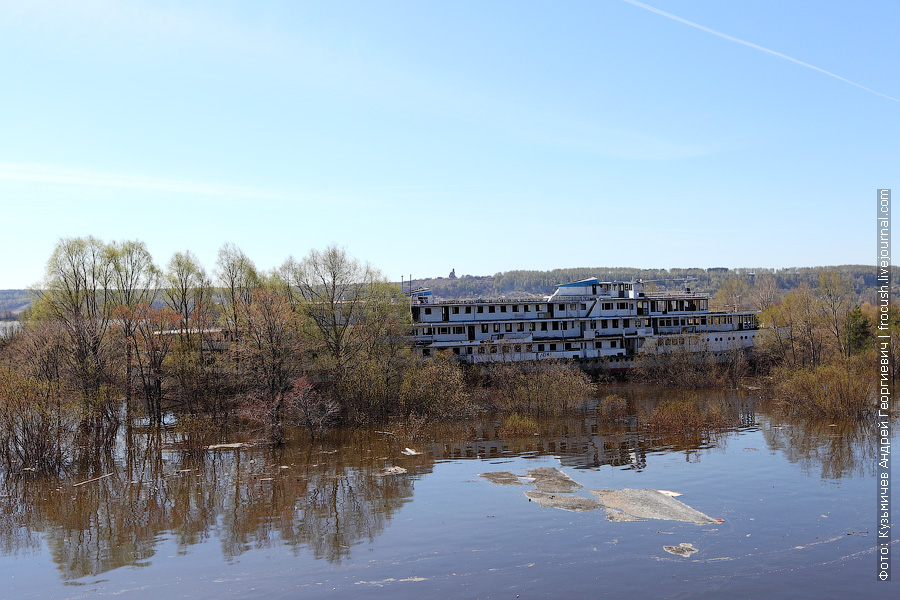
x: 319, y: 340
x: 861, y: 278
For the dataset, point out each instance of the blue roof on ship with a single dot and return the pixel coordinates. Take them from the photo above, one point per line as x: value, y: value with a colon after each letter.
x: 588, y: 281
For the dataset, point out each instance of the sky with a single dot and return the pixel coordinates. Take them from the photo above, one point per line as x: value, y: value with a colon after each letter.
x: 430, y: 136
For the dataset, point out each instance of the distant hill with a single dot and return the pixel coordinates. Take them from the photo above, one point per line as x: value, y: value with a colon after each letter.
x: 521, y: 283
x: 13, y: 302
x: 541, y: 283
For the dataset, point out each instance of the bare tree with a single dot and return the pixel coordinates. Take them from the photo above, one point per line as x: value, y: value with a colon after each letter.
x: 238, y: 277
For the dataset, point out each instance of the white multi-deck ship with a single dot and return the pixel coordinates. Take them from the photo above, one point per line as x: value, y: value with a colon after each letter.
x: 602, y: 324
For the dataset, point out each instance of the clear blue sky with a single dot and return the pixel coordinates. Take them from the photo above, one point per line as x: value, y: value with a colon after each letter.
x: 425, y: 136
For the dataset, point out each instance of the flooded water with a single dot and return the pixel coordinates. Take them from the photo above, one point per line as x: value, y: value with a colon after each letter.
x: 359, y: 515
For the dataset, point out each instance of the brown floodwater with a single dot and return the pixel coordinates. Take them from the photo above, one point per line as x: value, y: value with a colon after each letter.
x: 356, y: 514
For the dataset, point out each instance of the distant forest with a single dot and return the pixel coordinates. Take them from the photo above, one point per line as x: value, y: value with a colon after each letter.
x: 863, y: 278
x: 13, y: 302
x: 522, y: 283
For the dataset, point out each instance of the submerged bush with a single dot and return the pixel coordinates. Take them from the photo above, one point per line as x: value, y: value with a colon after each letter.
x: 37, y: 429
x: 612, y: 408
x: 840, y: 390
x: 435, y: 388
x: 689, y: 366
x: 516, y: 424
x: 546, y: 387
x: 679, y: 416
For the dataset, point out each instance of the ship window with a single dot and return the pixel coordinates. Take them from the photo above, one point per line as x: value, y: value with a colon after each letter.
x: 496, y: 328
x: 480, y: 309
x: 527, y: 308
x: 565, y: 325
x: 515, y: 308
x: 555, y: 325
x: 607, y: 305
x: 456, y: 351
x: 443, y: 330
x: 492, y: 308
x: 571, y: 307
x: 552, y: 347
x: 613, y: 344
x: 584, y: 307
x: 531, y: 327
x: 468, y: 310
x: 468, y: 349
x: 503, y: 308
x: 615, y: 323
x: 459, y: 330
x: 520, y: 327
x: 484, y: 328
x: 540, y: 347
x: 600, y: 344
x: 455, y: 310
x: 544, y: 326
x: 604, y: 324
x: 427, y: 311
x: 508, y: 328
x: 625, y: 323
x: 562, y: 307
x: 568, y: 346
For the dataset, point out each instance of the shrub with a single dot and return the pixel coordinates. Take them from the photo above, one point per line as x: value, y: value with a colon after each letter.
x: 434, y: 388
x: 612, y: 408
x: 679, y: 416
x: 546, y: 387
x: 839, y: 390
x: 37, y: 429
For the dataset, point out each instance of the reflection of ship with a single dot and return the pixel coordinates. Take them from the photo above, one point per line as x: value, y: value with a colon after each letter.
x: 601, y: 323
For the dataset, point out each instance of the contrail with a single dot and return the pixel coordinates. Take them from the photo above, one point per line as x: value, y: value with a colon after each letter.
x: 755, y: 47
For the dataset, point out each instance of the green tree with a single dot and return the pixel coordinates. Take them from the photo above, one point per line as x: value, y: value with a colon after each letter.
x: 859, y: 332
x: 77, y: 292
x: 189, y: 294
x: 135, y: 280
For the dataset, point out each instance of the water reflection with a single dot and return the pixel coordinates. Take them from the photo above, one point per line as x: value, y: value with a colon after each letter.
x: 311, y: 498
x: 324, y: 498
x: 827, y: 448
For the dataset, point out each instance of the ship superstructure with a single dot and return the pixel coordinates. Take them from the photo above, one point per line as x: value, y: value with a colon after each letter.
x: 602, y: 322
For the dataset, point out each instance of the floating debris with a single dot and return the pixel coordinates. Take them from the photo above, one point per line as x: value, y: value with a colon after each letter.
x: 553, y: 481
x: 94, y: 479
x: 670, y: 493
x: 226, y: 446
x: 392, y: 471
x: 682, y: 549
x: 410, y: 452
x: 501, y: 478
x: 562, y: 501
x: 647, y: 504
